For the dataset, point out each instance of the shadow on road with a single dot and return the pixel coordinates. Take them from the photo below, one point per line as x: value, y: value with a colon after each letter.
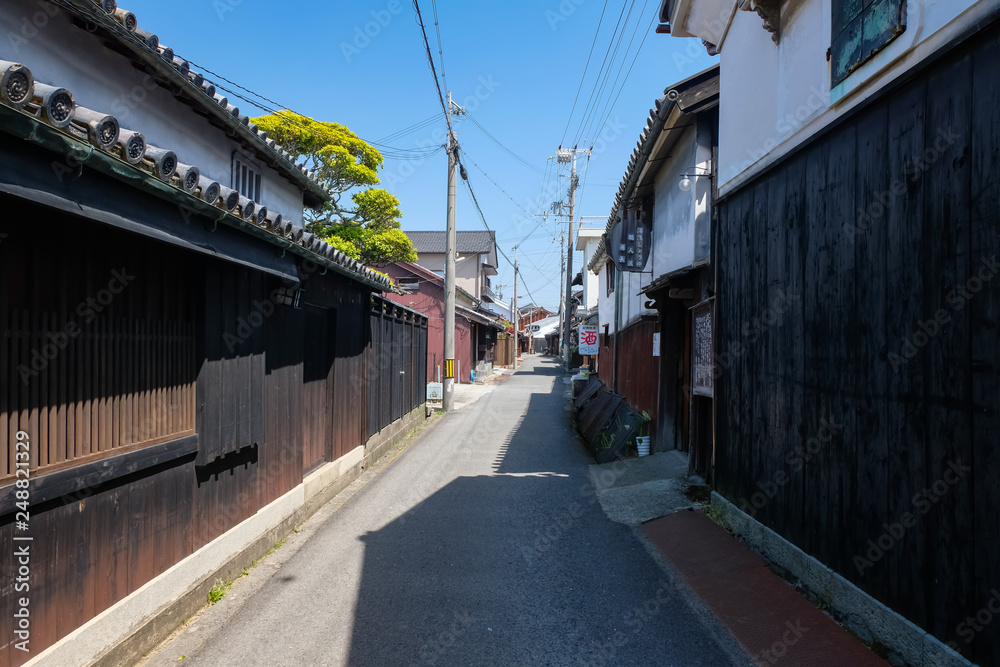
x: 520, y: 567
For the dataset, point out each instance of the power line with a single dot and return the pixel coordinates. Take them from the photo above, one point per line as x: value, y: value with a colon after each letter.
x: 610, y: 105
x: 437, y: 29
x: 501, y: 145
x: 525, y: 282
x: 482, y: 217
x: 411, y: 156
x: 584, y: 77
x: 606, y: 76
x: 412, y: 128
x: 430, y: 61
x: 583, y: 186
x: 476, y: 165
x: 604, y: 61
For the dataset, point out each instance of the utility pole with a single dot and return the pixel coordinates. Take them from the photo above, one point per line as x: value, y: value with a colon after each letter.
x: 517, y: 314
x: 562, y: 295
x: 448, y: 397
x: 563, y: 156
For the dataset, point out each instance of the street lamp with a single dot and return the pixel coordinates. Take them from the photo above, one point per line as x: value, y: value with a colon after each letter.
x: 686, y: 182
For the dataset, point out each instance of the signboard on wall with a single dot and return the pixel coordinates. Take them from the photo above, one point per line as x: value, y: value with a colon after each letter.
x: 631, y: 239
x: 589, y: 340
x: 701, y: 356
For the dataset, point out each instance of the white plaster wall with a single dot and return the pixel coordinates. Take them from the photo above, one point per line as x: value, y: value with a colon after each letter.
x: 605, y: 302
x: 66, y: 56
x: 773, y: 98
x: 466, y: 271
x: 590, y: 280
x: 673, y: 210
x: 631, y: 301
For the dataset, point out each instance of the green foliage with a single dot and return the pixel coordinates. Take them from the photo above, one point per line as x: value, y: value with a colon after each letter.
x: 219, y: 590
x: 344, y: 246
x: 361, y: 221
x: 389, y: 243
x: 277, y: 545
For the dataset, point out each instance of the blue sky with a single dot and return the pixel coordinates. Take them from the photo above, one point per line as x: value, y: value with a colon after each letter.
x: 516, y: 66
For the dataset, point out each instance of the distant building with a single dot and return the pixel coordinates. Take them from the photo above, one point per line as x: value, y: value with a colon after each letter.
x: 652, y: 313
x: 476, y: 332
x: 475, y: 259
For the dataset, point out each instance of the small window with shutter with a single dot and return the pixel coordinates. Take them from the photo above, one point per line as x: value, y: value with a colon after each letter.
x: 246, y: 178
x: 862, y: 28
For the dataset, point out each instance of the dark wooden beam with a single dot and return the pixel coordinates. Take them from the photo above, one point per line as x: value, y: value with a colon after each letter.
x: 63, y: 482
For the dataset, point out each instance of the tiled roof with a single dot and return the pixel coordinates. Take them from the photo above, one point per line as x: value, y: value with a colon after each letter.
x: 56, y: 108
x: 467, y: 242
x: 193, y: 87
x: 644, y: 146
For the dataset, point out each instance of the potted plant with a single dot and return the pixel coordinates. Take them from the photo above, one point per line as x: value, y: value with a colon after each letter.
x: 642, y: 440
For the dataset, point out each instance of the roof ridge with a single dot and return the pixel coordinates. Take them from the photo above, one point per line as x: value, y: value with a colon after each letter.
x: 124, y: 26
x: 56, y: 108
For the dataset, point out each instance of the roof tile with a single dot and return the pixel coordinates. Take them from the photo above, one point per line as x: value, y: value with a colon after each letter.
x: 468, y: 242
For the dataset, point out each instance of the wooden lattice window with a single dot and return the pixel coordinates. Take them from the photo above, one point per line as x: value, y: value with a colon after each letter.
x: 862, y: 28
x: 84, y: 390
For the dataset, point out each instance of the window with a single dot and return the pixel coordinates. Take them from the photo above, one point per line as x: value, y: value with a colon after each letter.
x: 115, y: 374
x: 409, y: 284
x: 862, y: 28
x: 246, y: 178
x: 609, y: 276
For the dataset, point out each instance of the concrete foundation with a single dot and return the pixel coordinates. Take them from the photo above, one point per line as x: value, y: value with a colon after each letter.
x: 125, y: 632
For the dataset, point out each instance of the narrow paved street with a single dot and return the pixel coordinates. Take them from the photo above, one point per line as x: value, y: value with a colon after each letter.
x: 481, y: 544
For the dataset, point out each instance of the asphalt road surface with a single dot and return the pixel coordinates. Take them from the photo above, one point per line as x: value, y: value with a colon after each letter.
x: 481, y: 544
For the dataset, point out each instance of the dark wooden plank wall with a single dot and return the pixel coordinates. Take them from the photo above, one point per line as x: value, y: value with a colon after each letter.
x: 96, y: 366
x: 638, y: 370
x: 125, y: 381
x: 396, y: 363
x: 606, y: 360
x: 849, y: 400
x: 235, y: 309
x: 317, y: 390
x: 350, y: 397
x: 191, y: 344
x: 984, y: 313
x: 373, y: 368
x: 281, y: 458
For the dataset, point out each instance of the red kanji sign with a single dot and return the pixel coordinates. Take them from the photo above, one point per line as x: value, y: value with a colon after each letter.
x: 588, y: 340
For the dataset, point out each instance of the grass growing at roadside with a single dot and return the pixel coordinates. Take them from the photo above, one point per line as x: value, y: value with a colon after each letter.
x: 716, y: 515
x: 219, y: 590
x: 277, y: 545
